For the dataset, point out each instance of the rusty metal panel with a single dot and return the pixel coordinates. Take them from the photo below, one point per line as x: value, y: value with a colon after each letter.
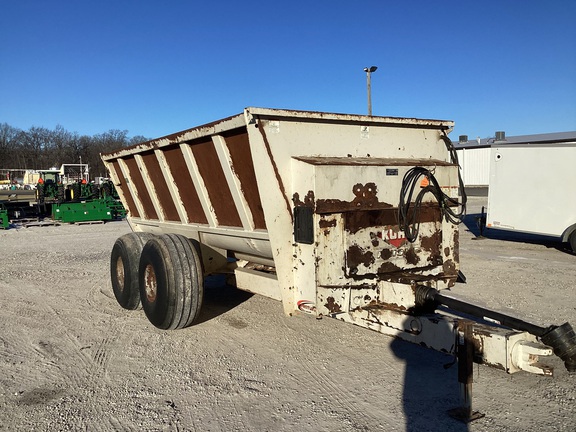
x: 140, y: 184
x: 162, y: 192
x: 243, y: 165
x: 122, y: 187
x: 384, y: 251
x: 185, y: 185
x: 216, y: 185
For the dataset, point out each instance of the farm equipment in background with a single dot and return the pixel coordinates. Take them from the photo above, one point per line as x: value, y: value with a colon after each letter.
x: 82, y: 190
x: 4, y: 223
x: 108, y: 190
x: 64, y: 194
x: 89, y: 202
x: 83, y: 211
x: 49, y: 187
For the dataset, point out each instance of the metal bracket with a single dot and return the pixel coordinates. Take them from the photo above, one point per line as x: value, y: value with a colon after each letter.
x: 525, y: 356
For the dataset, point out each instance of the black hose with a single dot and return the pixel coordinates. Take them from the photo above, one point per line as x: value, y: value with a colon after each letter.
x: 562, y: 339
x: 433, y: 298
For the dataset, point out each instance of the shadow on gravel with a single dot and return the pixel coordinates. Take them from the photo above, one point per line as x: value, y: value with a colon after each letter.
x: 220, y: 298
x: 474, y: 223
x: 430, y: 388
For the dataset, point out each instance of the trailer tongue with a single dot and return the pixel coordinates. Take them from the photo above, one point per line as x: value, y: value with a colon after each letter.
x: 353, y: 217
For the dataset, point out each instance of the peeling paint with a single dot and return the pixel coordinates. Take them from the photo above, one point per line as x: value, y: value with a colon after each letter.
x: 308, y: 200
x: 332, y: 306
x: 412, y: 257
x: 325, y: 224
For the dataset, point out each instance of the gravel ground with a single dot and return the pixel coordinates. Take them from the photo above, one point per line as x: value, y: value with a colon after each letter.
x: 72, y: 359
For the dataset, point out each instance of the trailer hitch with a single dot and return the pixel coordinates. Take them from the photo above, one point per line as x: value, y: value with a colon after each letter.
x: 562, y: 339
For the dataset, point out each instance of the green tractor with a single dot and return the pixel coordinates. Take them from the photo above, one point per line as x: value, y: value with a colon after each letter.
x: 49, y: 187
x: 82, y: 190
x: 109, y: 194
x: 108, y: 190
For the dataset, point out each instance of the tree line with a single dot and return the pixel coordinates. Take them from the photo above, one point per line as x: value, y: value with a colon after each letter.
x: 41, y: 148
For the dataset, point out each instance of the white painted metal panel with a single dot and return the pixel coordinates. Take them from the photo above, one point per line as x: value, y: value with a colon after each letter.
x: 532, y: 188
x: 475, y: 164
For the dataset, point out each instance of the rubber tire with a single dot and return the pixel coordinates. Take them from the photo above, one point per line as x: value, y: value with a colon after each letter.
x: 76, y: 192
x: 106, y: 190
x: 572, y: 241
x: 126, y: 253
x: 61, y: 194
x: 171, y: 281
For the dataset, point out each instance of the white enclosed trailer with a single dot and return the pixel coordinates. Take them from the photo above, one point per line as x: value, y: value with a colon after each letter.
x: 531, y: 189
x: 353, y: 217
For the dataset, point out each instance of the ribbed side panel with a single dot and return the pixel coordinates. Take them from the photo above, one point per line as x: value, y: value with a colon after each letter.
x: 123, y: 187
x: 160, y: 186
x: 216, y: 185
x: 139, y: 184
x: 183, y: 180
x: 243, y: 166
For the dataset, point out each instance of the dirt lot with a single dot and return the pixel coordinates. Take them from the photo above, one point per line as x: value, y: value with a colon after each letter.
x: 71, y: 359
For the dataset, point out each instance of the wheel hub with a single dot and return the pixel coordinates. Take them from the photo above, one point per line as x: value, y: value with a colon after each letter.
x: 120, y: 273
x: 150, y: 284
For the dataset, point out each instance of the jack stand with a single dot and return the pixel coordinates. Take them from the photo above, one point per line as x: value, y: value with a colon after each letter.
x: 465, y: 356
x: 480, y: 223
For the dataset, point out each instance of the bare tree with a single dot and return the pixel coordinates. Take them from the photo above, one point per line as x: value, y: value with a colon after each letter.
x: 8, y: 144
x: 42, y: 148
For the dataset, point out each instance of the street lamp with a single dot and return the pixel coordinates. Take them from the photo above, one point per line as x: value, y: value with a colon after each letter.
x: 369, y: 71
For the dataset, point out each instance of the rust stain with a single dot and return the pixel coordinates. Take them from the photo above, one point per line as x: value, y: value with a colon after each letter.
x: 325, y: 224
x: 384, y: 215
x: 432, y: 243
x: 375, y: 305
x: 355, y: 256
x: 411, y: 256
x: 386, y: 254
x: 371, y: 161
x: 365, y: 198
x: 447, y: 251
x: 357, y: 220
x: 388, y: 267
x: 435, y: 260
x: 332, y: 306
x: 456, y: 250
x: 365, y: 195
x: 449, y: 267
x: 308, y: 200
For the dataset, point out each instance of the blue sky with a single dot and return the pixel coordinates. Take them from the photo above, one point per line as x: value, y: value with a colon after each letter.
x: 157, y: 67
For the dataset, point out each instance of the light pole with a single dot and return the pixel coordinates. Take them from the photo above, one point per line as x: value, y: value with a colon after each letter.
x: 369, y: 71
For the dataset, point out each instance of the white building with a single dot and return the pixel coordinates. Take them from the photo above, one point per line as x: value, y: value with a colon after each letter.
x: 474, y: 155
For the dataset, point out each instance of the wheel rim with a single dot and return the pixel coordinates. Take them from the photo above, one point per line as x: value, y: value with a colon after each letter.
x: 150, y: 284
x: 120, y: 273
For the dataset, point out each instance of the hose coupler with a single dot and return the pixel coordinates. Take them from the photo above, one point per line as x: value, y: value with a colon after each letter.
x: 562, y: 340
